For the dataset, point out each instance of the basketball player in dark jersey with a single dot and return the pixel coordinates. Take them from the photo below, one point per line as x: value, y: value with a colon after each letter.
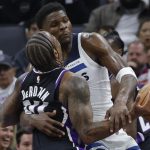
x: 49, y: 86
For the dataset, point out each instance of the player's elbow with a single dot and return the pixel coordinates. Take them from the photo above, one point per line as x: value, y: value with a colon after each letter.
x: 87, y: 137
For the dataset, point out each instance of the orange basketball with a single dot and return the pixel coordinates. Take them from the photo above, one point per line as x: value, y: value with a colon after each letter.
x: 144, y: 95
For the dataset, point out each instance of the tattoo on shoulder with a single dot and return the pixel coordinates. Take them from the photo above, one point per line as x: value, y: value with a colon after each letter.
x: 79, y: 88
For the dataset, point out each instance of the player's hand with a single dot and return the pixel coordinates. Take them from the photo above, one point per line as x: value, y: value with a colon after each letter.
x: 46, y: 124
x: 118, y: 115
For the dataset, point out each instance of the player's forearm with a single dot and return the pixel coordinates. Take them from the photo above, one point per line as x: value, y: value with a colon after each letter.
x: 99, y: 130
x: 127, y: 89
x: 26, y: 120
x: 96, y: 131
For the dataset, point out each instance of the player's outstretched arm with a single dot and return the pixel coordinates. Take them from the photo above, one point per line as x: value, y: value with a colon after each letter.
x: 76, y: 92
x: 99, y: 50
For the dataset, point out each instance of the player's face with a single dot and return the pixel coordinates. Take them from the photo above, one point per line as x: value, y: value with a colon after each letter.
x: 58, y: 24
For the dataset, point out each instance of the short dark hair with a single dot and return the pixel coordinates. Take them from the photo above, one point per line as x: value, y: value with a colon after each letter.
x: 21, y: 132
x: 46, y: 10
x: 114, y: 36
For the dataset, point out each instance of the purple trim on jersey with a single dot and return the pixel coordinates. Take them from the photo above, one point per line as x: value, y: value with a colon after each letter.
x: 134, y: 148
x: 60, y: 77
x: 74, y: 135
x: 23, y: 77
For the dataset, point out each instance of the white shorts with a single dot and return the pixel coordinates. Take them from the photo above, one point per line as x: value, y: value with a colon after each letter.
x: 119, y: 141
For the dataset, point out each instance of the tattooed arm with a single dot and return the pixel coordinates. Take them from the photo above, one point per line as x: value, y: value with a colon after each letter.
x: 76, y: 93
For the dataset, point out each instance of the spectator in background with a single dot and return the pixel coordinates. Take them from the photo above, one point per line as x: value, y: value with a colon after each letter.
x: 144, y: 33
x: 24, y: 139
x: 7, y: 76
x: 137, y: 59
x: 6, y: 137
x: 20, y: 60
x: 16, y: 11
x: 123, y: 15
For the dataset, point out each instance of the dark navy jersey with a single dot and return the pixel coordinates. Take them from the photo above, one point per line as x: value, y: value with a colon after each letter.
x: 39, y: 93
x: 74, y: 53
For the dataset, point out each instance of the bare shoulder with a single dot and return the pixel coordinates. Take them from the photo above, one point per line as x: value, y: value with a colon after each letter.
x: 75, y: 88
x: 95, y: 43
x: 92, y: 36
x: 71, y: 82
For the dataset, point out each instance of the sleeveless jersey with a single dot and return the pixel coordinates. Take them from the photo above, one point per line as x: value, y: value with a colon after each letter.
x: 39, y: 93
x: 97, y: 77
x: 100, y: 94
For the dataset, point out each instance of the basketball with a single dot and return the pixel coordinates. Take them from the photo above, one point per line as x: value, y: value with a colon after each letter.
x: 144, y: 95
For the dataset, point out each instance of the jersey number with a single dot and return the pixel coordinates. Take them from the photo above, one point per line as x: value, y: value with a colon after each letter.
x: 84, y: 74
x: 145, y: 126
x: 35, y: 107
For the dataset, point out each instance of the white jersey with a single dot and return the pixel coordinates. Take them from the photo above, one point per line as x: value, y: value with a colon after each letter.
x: 98, y: 80
x: 100, y: 93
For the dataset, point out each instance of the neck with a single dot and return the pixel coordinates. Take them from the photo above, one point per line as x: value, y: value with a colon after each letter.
x: 66, y: 50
